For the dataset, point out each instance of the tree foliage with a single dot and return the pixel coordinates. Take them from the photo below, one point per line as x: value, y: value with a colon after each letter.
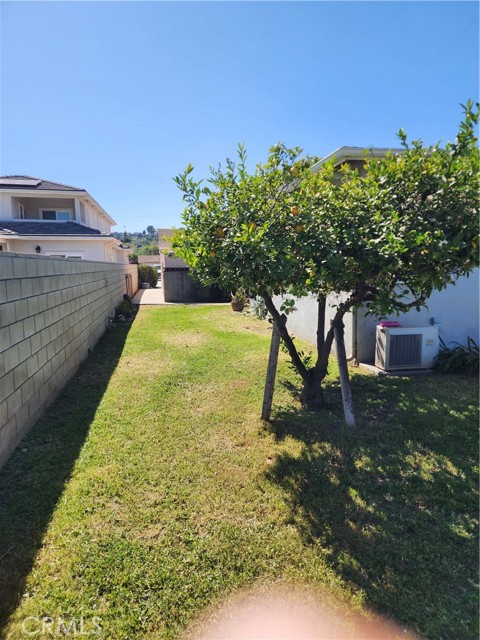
x: 389, y: 235
x: 148, y: 274
x: 150, y: 249
x: 142, y: 242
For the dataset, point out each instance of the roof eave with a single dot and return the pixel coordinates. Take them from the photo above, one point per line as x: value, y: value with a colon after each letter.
x: 20, y: 236
x: 344, y: 154
x: 81, y: 193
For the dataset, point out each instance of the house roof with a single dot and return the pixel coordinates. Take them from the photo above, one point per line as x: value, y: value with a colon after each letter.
x: 38, y: 185
x: 34, y: 184
x: 41, y: 228
x: 342, y: 154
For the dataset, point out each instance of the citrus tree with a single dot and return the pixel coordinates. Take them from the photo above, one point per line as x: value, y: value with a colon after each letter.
x: 385, y: 238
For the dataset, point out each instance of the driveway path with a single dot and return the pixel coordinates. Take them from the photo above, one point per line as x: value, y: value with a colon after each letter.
x: 155, y: 296
x: 149, y: 296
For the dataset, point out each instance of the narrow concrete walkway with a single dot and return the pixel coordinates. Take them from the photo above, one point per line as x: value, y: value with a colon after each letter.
x: 149, y: 296
x: 155, y: 296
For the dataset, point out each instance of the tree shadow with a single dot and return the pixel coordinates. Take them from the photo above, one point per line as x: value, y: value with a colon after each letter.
x: 33, y: 479
x: 393, y: 503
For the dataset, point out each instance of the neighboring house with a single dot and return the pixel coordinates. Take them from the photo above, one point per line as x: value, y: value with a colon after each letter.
x: 454, y: 310
x: 164, y: 236
x: 53, y: 219
x: 167, y: 260
x: 152, y: 261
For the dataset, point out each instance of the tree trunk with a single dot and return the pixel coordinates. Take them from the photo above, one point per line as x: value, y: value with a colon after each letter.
x: 311, y: 396
x: 344, y: 377
x: 312, y: 392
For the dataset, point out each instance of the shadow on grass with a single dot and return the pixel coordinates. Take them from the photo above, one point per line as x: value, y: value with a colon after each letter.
x: 394, y: 502
x: 33, y: 479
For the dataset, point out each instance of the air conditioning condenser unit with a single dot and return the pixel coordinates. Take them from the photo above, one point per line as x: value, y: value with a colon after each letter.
x: 401, y: 348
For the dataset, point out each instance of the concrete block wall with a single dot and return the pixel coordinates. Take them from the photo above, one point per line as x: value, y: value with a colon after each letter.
x: 52, y: 312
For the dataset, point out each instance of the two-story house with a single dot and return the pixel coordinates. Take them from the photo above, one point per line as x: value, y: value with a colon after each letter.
x: 53, y: 219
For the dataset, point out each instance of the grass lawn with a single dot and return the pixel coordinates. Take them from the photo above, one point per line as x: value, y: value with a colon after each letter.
x: 151, y: 488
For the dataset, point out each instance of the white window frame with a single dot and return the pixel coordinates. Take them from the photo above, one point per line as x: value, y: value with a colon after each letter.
x: 56, y: 209
x: 79, y: 255
x: 21, y: 211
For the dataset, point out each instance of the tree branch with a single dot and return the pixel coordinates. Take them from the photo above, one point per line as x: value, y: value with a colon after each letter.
x: 405, y: 306
x: 287, y: 340
x: 337, y: 323
x: 322, y: 304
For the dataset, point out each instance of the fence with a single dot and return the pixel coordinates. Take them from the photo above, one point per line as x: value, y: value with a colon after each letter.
x: 52, y: 312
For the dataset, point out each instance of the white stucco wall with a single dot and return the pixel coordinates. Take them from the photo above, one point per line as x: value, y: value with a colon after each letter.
x: 303, y: 321
x: 98, y: 250
x: 5, y: 206
x: 95, y: 219
x: 456, y: 307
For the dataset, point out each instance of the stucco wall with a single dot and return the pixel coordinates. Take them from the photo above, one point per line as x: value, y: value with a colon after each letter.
x: 303, y: 321
x: 5, y: 206
x: 456, y: 308
x: 93, y: 249
x: 99, y: 249
x: 52, y: 311
x: 95, y: 219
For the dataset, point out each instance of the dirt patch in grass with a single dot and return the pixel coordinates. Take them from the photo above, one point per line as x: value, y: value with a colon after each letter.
x: 183, y: 339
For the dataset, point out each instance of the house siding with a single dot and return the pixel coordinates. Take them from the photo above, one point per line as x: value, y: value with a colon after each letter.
x: 52, y: 312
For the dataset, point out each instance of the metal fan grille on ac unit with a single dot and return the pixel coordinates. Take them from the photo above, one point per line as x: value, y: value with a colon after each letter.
x: 405, y: 350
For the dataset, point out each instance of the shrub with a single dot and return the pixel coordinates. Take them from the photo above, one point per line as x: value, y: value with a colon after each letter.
x: 147, y: 274
x: 460, y: 358
x: 257, y: 308
x: 125, y: 308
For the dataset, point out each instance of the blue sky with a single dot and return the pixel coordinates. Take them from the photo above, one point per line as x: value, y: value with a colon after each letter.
x: 119, y: 97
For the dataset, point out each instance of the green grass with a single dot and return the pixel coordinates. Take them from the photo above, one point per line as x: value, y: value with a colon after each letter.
x: 151, y: 488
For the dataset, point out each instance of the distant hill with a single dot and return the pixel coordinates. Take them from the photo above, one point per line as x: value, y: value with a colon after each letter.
x: 142, y: 242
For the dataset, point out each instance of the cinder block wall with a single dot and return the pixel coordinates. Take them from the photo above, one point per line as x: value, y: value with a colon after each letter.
x: 52, y: 311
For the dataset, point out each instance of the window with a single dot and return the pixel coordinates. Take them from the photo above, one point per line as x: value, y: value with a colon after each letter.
x: 60, y: 215
x: 21, y: 211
